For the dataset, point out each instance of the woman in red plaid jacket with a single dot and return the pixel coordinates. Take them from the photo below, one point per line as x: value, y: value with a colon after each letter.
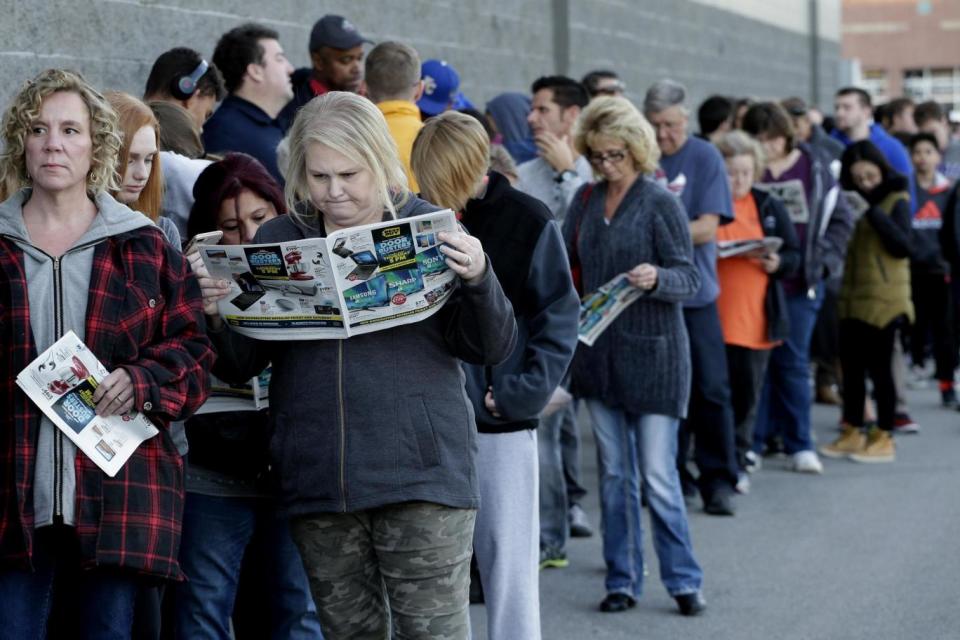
x: 73, y: 258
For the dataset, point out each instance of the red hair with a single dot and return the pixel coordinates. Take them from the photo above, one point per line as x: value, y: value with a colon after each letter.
x: 134, y: 115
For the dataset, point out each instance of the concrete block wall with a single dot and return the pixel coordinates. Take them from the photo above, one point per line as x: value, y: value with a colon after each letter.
x: 710, y: 50
x: 496, y: 45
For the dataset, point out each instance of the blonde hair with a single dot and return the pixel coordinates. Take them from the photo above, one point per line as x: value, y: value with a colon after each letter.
x: 353, y: 126
x: 739, y: 143
x: 450, y: 157
x: 23, y: 111
x: 134, y: 115
x: 502, y: 162
x: 615, y: 118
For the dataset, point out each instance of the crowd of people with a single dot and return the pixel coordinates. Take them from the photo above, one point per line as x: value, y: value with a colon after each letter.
x: 375, y: 506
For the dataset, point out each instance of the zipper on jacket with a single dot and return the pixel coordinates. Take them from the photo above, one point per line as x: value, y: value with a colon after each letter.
x: 57, y: 334
x: 343, y: 427
x: 57, y: 434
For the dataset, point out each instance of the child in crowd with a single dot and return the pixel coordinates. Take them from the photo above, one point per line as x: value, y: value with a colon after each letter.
x: 751, y: 304
x: 929, y: 269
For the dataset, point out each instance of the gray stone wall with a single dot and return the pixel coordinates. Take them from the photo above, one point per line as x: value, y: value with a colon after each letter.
x: 496, y: 45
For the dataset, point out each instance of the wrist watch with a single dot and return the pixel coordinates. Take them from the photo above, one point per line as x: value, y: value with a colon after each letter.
x: 563, y: 176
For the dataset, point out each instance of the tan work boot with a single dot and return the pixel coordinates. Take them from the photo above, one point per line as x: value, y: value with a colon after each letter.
x: 879, y: 447
x: 851, y: 441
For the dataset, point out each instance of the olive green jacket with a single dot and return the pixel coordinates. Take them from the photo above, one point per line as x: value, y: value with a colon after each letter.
x: 876, y: 277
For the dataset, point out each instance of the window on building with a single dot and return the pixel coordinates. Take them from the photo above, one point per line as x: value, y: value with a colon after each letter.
x: 941, y: 84
x: 874, y: 82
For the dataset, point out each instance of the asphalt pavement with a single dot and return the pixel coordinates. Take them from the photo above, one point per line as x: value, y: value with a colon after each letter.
x: 863, y: 551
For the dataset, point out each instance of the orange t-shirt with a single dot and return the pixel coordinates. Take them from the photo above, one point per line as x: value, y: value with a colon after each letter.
x: 743, y: 282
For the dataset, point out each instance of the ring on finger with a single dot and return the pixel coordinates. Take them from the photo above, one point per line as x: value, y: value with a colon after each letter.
x: 468, y: 261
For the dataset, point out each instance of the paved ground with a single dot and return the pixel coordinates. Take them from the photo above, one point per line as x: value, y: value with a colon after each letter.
x: 864, y: 551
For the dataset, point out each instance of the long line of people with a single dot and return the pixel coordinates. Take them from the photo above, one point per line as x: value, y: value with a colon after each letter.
x: 345, y: 517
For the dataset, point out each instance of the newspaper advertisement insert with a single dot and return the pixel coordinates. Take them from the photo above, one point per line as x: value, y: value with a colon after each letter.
x: 600, y: 308
x: 61, y: 382
x: 253, y: 395
x: 793, y: 196
x: 354, y: 281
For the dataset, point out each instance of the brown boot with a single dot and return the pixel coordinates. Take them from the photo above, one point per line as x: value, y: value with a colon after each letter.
x: 879, y: 448
x: 851, y: 440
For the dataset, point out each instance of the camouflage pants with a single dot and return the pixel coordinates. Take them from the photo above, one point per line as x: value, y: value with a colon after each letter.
x: 405, y: 565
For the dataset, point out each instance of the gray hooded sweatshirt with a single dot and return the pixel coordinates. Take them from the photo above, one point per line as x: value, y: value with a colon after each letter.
x: 57, y: 288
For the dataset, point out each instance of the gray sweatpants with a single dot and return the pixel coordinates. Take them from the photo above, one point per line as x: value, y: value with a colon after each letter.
x: 506, y: 539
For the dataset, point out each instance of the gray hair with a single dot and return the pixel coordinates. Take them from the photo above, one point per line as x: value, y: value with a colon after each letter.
x: 737, y: 143
x: 664, y: 94
x: 392, y: 72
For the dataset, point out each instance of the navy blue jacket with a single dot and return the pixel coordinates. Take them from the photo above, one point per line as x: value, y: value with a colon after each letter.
x: 776, y: 222
x: 240, y: 125
x: 526, y: 251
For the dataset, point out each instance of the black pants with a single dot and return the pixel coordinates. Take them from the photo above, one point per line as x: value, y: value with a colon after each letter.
x: 709, y: 415
x: 866, y: 349
x: 747, y: 368
x: 933, y: 300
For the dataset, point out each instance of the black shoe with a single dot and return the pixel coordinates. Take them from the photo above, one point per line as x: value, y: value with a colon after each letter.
x: 617, y: 602
x: 773, y: 448
x: 690, y: 603
x: 719, y: 502
x: 948, y: 398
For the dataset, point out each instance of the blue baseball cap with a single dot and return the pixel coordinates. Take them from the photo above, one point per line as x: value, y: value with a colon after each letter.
x: 336, y: 32
x: 440, y: 87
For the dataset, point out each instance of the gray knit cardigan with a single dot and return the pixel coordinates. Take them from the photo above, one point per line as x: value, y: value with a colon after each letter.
x: 641, y: 363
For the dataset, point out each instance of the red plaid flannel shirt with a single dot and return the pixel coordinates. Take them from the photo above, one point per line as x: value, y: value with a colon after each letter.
x: 144, y: 314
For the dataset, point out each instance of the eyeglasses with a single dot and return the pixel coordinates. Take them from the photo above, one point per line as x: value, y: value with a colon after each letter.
x: 613, y: 157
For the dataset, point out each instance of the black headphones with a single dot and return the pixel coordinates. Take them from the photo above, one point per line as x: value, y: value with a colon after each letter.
x: 185, y: 86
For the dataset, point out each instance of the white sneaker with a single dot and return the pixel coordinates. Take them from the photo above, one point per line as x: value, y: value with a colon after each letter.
x: 807, y: 462
x: 743, y: 483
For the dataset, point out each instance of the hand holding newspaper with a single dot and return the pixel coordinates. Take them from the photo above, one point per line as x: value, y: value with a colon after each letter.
x: 354, y: 281
x: 61, y: 382
x: 600, y: 308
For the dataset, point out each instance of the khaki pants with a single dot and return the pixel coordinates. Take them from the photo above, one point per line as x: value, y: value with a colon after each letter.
x: 406, y: 564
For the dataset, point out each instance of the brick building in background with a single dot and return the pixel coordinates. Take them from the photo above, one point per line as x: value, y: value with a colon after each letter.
x: 904, y: 48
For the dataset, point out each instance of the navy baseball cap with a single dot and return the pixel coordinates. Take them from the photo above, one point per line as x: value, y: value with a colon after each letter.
x: 440, y: 86
x: 336, y: 32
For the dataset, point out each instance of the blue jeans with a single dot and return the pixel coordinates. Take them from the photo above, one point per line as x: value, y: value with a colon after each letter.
x: 217, y: 532
x: 570, y: 449
x: 96, y: 603
x: 553, y: 485
x: 786, y: 397
x: 631, y: 448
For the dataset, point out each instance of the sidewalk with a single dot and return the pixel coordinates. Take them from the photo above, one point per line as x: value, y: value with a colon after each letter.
x: 864, y: 551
